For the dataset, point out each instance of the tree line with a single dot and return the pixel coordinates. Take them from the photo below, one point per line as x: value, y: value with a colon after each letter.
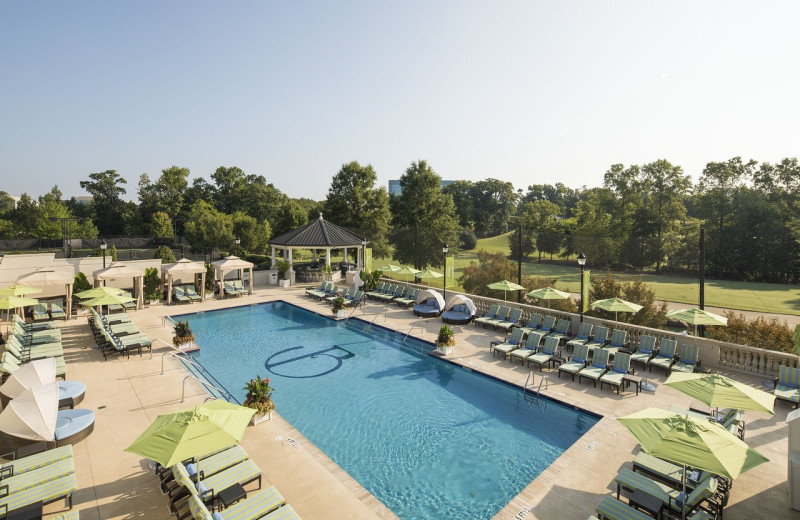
x: 643, y: 216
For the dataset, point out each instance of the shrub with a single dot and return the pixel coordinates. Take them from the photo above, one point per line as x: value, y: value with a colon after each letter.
x: 468, y: 239
x: 540, y: 282
x: 761, y: 332
x: 652, y: 314
x: 282, y: 266
x: 165, y: 254
x: 491, y: 267
x: 151, y: 284
x: 370, y: 280
x: 209, y: 277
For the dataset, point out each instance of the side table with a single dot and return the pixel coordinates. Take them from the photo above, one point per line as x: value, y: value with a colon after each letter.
x: 629, y: 379
x: 647, y: 502
x: 231, y: 495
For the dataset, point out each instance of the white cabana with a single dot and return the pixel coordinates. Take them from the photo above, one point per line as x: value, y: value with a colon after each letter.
x: 120, y: 270
x: 461, y: 299
x: 181, y: 268
x: 232, y: 263
x: 430, y: 293
x: 45, y: 277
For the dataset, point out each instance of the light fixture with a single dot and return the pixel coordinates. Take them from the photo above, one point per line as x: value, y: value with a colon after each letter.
x: 581, y: 259
x: 103, y: 246
x: 582, y: 263
x: 238, y: 241
x: 444, y: 285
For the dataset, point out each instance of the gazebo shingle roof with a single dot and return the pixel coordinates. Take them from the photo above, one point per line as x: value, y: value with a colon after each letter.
x: 319, y: 233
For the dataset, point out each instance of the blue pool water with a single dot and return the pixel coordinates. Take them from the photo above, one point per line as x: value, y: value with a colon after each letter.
x: 430, y: 440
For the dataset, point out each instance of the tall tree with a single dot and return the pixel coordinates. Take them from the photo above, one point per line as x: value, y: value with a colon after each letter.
x: 252, y: 233
x: 422, y: 216
x: 667, y: 187
x: 355, y: 202
x: 106, y: 189
x: 461, y: 191
x: 292, y: 216
x: 493, y: 202
x: 208, y: 229
x: 165, y: 195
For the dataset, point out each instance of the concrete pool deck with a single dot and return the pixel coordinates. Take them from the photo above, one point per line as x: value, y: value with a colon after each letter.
x: 127, y: 394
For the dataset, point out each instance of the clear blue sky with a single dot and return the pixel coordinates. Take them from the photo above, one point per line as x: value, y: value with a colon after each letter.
x: 525, y: 91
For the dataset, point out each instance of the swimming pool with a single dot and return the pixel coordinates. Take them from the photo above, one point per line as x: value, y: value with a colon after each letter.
x: 428, y: 439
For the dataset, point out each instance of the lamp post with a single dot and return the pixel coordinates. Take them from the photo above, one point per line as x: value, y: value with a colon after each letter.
x: 364, y: 255
x: 238, y: 241
x: 103, y: 247
x: 444, y: 286
x: 582, y: 263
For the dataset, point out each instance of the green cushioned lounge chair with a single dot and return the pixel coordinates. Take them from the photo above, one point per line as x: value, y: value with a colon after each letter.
x: 33, y: 462
x: 218, y: 462
x: 36, y: 336
x: 645, y: 350
x: 599, y: 339
x: 178, y: 294
x: 511, y: 322
x: 548, y: 324
x: 787, y: 383
x: 46, y: 492
x: 500, y: 317
x: 410, y: 297
x: 688, y: 359
x: 251, y: 508
x: 377, y: 290
x: 191, y: 293
x: 490, y: 314
x: 9, y: 364
x: 549, y: 350
x: 577, y: 362
x: 533, y: 323
x: 44, y: 349
x: 40, y: 312
x: 584, y: 335
x: 668, y: 473
x: 562, y: 330
x: 34, y: 327
x: 666, y: 355
x: 18, y: 483
x: 612, y: 509
x: 529, y: 348
x: 57, y: 310
x: 131, y: 305
x: 598, y: 367
x: 283, y: 513
x: 512, y: 343
x: 617, y: 341
x: 208, y: 487
x: 238, y: 286
x: 704, y: 494
x: 310, y: 291
x: 620, y: 368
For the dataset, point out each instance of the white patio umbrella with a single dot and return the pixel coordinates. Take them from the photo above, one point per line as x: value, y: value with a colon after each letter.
x: 33, y: 414
x: 36, y: 373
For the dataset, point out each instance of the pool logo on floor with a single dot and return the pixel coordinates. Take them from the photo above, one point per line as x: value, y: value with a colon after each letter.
x: 335, y: 353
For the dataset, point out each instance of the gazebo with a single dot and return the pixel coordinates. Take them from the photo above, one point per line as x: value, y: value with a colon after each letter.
x: 45, y: 277
x: 181, y: 268
x: 120, y: 270
x: 319, y: 234
x: 232, y: 263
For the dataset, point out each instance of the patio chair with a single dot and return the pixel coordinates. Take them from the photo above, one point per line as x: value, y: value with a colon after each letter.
x: 548, y: 324
x: 549, y: 350
x: 665, y: 356
x: 36, y: 336
x: 408, y: 300
x: 620, y: 368
x: 33, y: 352
x: 388, y: 293
x: 787, y: 383
x: 311, y: 291
x: 599, y: 339
x: 512, y: 343
x: 512, y: 321
x: 191, y: 293
x: 238, y: 286
x: 616, y: 342
x: 178, y: 294
x: 611, y: 508
x: 208, y: 487
x: 672, y: 474
x: 562, y: 330
x: 40, y: 312
x: 9, y: 363
x: 584, y: 335
x: 490, y: 314
x: 132, y: 305
x: 354, y: 299
x: 266, y: 502
x: 598, y: 367
x: 405, y: 297
x: 529, y: 348
x: 34, y: 462
x: 688, y: 359
x: 34, y: 327
x: 533, y: 322
x: 217, y: 462
x: 57, y: 310
x: 377, y: 290
x: 230, y: 290
x: 18, y: 482
x: 345, y: 294
x: 576, y: 363
x: 46, y: 492
x: 706, y: 494
x: 501, y: 316
x: 645, y: 350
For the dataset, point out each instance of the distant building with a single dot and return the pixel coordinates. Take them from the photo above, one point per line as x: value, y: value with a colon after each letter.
x: 395, y: 189
x: 83, y: 199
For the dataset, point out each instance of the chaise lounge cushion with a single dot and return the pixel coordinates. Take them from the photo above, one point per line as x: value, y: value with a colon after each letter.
x: 70, y: 423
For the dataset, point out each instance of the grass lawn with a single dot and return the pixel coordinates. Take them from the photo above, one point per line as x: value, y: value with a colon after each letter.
x: 751, y: 296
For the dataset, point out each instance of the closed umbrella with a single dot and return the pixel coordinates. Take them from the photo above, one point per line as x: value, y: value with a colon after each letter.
x: 19, y: 290
x: 33, y: 414
x: 697, y: 317
x: 616, y: 305
x: 505, y: 286
x: 718, y: 391
x: 697, y: 443
x: 548, y: 293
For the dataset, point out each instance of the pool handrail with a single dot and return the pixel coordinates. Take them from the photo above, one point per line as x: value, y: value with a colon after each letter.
x: 205, y: 384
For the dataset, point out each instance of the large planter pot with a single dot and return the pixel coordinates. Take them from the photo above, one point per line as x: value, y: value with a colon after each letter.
x: 153, y: 302
x: 284, y: 283
x: 339, y: 314
x: 259, y: 418
x: 445, y: 349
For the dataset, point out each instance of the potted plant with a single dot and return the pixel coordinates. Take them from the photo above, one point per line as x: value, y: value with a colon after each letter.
x: 259, y: 397
x: 182, y: 334
x: 327, y: 270
x: 282, y: 266
x: 446, y: 340
x: 338, y: 307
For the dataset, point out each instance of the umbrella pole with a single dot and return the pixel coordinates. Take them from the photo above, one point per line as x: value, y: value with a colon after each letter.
x: 683, y: 497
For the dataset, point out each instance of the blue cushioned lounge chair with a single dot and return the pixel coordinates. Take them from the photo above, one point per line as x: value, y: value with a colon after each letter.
x: 665, y: 356
x: 787, y: 383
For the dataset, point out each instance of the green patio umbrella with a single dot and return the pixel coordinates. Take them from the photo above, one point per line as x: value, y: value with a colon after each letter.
x: 108, y: 299
x: 718, y: 391
x: 548, y: 293
x: 505, y: 286
x: 8, y: 303
x: 616, y: 305
x: 187, y: 433
x: 697, y: 317
x: 796, y: 339
x: 19, y: 290
x: 406, y: 271
x: 98, y: 292
x: 390, y: 268
x: 427, y: 274
x: 700, y: 444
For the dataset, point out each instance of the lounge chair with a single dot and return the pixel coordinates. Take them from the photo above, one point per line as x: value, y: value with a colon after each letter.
x: 130, y: 305
x: 34, y: 327
x: 354, y: 299
x: 562, y: 330
x: 490, y: 315
x: 18, y: 482
x: 57, y: 310
x: 598, y: 367
x: 218, y: 462
x: 576, y: 363
x: 645, y: 350
x: 409, y: 299
x: 35, y: 352
x: 266, y: 502
x: 616, y: 342
x: 665, y: 356
x: 407, y: 293
x: 584, y: 335
x: 549, y: 350
x: 46, y: 492
x: 178, y: 294
x: 458, y: 314
x: 510, y: 322
x: 34, y: 462
x: 40, y: 312
x: 548, y: 324
x: 706, y: 494
x: 688, y: 359
x: 620, y: 368
x: 611, y: 508
x: 191, y: 293
x: 36, y: 336
x: 671, y: 474
x: 512, y: 343
x: 344, y: 294
x: 311, y: 291
x: 238, y: 286
x: 599, y: 339
x: 378, y: 289
x: 9, y: 364
x: 529, y: 348
x: 787, y: 383
x: 533, y: 322
x: 394, y: 291
x: 500, y: 317
x: 208, y: 487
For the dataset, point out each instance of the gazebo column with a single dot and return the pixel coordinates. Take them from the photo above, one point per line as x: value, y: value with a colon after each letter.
x: 344, y: 256
x: 290, y: 272
x: 272, y: 257
x: 314, y: 254
x: 328, y: 256
x: 250, y: 285
x: 203, y: 285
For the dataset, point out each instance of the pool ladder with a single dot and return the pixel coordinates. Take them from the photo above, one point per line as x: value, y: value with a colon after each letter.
x: 413, y: 326
x: 534, y: 395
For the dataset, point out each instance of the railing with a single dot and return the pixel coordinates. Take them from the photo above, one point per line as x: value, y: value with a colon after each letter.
x: 205, y: 384
x: 413, y: 326
x: 165, y: 319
